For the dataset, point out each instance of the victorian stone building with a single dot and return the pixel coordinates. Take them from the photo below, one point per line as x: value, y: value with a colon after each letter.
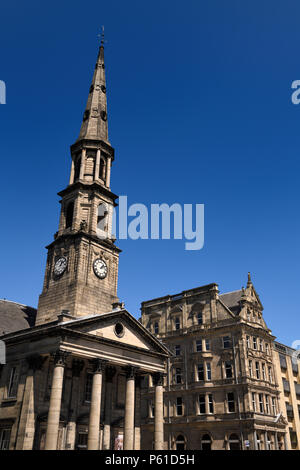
x: 82, y: 373
x: 224, y: 387
x: 74, y: 368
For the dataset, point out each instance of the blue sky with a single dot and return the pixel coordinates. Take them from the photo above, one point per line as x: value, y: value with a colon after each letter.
x: 199, y: 111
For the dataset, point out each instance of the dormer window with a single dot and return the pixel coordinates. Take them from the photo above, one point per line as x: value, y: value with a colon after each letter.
x: 200, y: 318
x: 156, y: 328
x: 177, y: 323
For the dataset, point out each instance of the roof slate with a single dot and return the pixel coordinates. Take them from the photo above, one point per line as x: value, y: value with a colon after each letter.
x: 15, y: 316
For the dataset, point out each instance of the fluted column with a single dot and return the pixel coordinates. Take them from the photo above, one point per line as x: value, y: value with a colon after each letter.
x: 55, y: 400
x: 77, y: 366
x: 159, y: 412
x: 129, y: 409
x: 109, y: 375
x: 137, y: 417
x: 94, y: 421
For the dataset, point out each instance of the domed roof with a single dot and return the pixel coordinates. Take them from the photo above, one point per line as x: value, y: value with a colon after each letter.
x: 15, y: 316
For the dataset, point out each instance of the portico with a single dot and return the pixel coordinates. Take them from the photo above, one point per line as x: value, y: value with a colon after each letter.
x: 92, y: 395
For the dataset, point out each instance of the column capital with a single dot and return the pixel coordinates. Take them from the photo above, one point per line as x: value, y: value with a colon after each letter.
x: 110, y: 373
x: 131, y: 372
x: 77, y: 366
x: 98, y: 365
x: 158, y: 378
x: 60, y: 357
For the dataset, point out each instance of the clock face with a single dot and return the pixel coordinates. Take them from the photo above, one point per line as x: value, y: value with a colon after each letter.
x: 60, y: 266
x: 100, y: 268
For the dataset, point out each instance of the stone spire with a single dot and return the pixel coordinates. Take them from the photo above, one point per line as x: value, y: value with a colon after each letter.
x: 94, y: 124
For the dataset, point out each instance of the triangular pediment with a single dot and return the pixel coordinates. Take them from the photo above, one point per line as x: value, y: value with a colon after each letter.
x: 118, y: 326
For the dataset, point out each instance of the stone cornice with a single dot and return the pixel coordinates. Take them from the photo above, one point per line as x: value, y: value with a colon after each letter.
x: 93, y: 187
x: 66, y: 236
x: 95, y: 144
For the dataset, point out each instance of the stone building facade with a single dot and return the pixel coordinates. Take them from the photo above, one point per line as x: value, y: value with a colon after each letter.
x: 223, y: 389
x: 287, y: 368
x: 82, y: 373
x: 74, y: 368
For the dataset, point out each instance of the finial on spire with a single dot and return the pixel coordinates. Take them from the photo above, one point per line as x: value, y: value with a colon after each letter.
x: 249, y: 280
x: 101, y: 36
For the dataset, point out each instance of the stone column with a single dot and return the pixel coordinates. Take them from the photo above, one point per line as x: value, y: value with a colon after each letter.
x: 129, y: 409
x: 108, y: 167
x: 137, y: 417
x: 26, y: 428
x: 255, y: 440
x: 159, y: 412
x: 276, y: 441
x: 94, y: 421
x: 72, y: 172
x: 109, y: 375
x: 266, y: 440
x: 55, y: 400
x: 77, y: 366
x: 97, y: 166
x: 286, y: 447
x: 82, y: 168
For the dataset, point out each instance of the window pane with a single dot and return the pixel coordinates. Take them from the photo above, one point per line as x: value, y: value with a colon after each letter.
x: 226, y: 342
x: 208, y: 371
x: 88, y: 387
x: 4, y: 439
x: 200, y: 372
x: 202, y: 404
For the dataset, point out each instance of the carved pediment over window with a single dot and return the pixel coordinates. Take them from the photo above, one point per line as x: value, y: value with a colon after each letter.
x: 176, y: 309
x: 280, y: 419
x: 196, y: 308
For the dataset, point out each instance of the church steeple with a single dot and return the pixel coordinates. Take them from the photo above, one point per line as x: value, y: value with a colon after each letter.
x: 94, y: 124
x: 82, y: 264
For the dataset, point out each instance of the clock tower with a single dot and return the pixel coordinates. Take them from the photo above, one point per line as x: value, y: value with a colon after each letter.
x: 82, y: 263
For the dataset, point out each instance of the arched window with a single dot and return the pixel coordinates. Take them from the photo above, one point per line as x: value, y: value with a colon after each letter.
x: 77, y: 169
x: 234, y: 442
x: 69, y: 214
x: 102, y: 169
x: 180, y: 442
x: 206, y: 442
